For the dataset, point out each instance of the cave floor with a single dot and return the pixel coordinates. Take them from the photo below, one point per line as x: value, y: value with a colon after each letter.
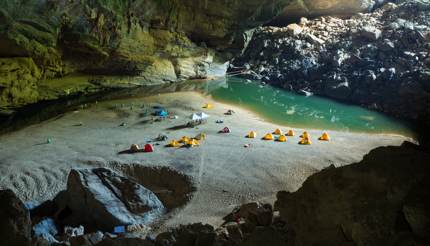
x: 225, y: 172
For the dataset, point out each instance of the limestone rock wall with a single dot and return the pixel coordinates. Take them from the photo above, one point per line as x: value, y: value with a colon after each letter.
x: 160, y: 41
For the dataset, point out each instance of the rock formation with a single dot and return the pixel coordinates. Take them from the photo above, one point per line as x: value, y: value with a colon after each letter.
x: 379, y: 60
x: 101, y: 199
x: 153, y: 41
x: 315, y: 8
x: 378, y: 201
x: 15, y: 223
x: 161, y: 41
x: 382, y: 200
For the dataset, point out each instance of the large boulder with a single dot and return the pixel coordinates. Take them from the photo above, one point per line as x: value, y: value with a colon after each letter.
x: 15, y: 223
x: 367, y: 203
x: 102, y: 199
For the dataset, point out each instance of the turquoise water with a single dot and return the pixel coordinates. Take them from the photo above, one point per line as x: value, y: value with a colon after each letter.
x: 287, y: 108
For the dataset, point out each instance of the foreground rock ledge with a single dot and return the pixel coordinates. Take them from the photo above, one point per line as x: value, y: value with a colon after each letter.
x: 373, y: 202
x: 102, y: 199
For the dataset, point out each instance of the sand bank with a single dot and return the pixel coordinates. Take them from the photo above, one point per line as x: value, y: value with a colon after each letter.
x: 225, y: 172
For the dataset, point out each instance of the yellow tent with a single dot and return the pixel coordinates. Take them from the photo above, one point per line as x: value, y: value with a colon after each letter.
x: 184, y: 139
x: 278, y: 132
x: 305, y: 141
x: 282, y: 138
x: 268, y: 136
x: 193, y: 142
x: 290, y: 133
x: 201, y: 136
x: 252, y: 134
x: 173, y: 144
x: 305, y: 135
x: 325, y: 137
x: 208, y: 106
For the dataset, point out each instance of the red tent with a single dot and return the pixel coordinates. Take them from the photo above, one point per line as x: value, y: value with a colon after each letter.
x: 148, y: 148
x: 225, y: 130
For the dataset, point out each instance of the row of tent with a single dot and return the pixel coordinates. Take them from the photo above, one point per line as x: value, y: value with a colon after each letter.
x: 187, y: 141
x: 305, y: 137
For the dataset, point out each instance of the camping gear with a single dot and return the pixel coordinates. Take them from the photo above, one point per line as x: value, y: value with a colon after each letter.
x: 252, y: 134
x: 229, y: 112
x: 199, y: 116
x: 290, y: 133
x: 201, y: 136
x: 194, y: 123
x: 161, y: 113
x: 208, y: 106
x: 225, y: 130
x: 134, y: 148
x: 173, y: 144
x: 148, y: 148
x: 305, y: 141
x: 278, y: 132
x: 305, y: 135
x: 184, y: 139
x: 192, y: 142
x: 161, y: 137
x: 74, y: 231
x: 324, y: 137
x: 282, y: 138
x: 119, y: 229
x: 268, y: 136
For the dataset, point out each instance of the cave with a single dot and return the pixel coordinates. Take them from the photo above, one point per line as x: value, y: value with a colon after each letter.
x: 214, y: 122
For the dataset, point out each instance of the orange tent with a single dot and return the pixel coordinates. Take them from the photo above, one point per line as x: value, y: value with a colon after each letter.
x: 325, y: 137
x: 268, y: 136
x: 278, y: 132
x: 252, y: 134
x: 305, y: 141
x: 282, y: 138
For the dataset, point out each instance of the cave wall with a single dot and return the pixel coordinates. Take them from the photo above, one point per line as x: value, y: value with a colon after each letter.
x: 161, y: 41
x: 155, y: 40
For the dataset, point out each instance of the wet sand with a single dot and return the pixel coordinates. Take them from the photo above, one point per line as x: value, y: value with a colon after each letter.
x: 224, y: 171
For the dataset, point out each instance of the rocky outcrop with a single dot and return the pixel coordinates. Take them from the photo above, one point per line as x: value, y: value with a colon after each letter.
x: 18, y: 80
x: 379, y: 60
x: 161, y: 41
x: 15, y: 223
x: 315, y: 8
x: 101, y: 199
x: 379, y: 201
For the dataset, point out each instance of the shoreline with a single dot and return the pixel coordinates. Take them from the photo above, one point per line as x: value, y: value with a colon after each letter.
x: 265, y: 119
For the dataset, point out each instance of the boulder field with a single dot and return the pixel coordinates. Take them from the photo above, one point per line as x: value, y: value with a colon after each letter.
x: 380, y: 60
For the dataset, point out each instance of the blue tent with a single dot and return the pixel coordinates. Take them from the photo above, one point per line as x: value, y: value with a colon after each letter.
x: 161, y: 113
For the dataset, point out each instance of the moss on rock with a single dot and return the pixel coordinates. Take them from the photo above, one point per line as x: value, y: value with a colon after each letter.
x: 18, y: 78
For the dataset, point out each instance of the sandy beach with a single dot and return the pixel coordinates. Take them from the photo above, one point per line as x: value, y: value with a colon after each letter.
x: 224, y: 171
